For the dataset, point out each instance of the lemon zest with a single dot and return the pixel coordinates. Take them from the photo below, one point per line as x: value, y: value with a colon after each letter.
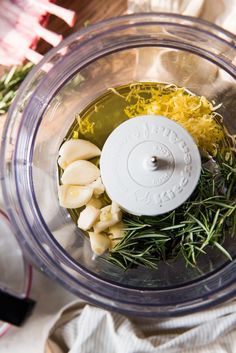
x: 75, y: 135
x: 195, y: 113
x: 85, y: 125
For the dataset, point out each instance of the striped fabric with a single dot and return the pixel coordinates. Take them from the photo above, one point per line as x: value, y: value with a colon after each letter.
x: 83, y: 328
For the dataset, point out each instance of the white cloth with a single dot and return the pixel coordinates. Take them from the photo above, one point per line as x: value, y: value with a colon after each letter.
x: 83, y: 328
x: 221, y: 12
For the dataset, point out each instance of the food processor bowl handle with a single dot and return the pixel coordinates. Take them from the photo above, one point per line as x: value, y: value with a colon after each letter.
x: 13, y: 309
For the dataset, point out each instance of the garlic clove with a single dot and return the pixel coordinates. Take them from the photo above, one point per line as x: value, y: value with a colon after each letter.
x: 105, y: 214
x: 116, y: 233
x: 103, y: 225
x: 76, y: 149
x: 108, y: 211
x: 73, y: 196
x: 98, y: 187
x: 62, y: 163
x: 115, y: 207
x: 99, y: 243
x: 88, y: 217
x: 80, y: 173
x: 95, y: 202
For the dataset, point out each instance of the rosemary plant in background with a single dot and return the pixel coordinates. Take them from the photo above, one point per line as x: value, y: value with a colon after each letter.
x: 202, y: 221
x: 9, y: 84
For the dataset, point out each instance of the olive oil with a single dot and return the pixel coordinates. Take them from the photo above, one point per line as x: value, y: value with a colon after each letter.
x: 100, y: 118
x: 109, y: 110
x: 196, y: 114
x: 217, y: 183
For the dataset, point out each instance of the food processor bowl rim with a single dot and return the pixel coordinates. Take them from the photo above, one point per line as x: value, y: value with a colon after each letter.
x: 113, y: 21
x: 81, y: 268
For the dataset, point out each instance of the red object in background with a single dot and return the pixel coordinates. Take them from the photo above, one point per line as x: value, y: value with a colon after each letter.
x: 22, y: 24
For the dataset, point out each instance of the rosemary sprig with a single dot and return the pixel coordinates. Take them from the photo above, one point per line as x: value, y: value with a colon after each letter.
x: 202, y: 221
x: 9, y: 84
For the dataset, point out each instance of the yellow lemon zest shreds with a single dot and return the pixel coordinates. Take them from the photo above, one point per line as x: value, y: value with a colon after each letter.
x: 85, y: 125
x: 75, y: 135
x: 196, y: 114
x: 113, y: 90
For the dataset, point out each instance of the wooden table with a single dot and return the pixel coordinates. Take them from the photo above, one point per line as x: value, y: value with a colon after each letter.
x: 90, y: 11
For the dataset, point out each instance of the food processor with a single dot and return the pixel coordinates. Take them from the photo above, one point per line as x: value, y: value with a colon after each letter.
x: 152, y: 47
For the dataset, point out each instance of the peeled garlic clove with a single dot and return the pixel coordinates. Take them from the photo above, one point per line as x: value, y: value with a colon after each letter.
x: 62, y: 163
x: 116, y: 233
x: 97, y: 203
x: 80, y: 173
x: 98, y: 187
x: 105, y: 214
x: 115, y: 207
x: 103, y: 225
x: 76, y: 149
x: 73, y: 196
x: 99, y: 243
x: 88, y: 217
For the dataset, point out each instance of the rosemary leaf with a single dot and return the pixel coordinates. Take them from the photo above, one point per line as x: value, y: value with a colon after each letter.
x: 9, y: 84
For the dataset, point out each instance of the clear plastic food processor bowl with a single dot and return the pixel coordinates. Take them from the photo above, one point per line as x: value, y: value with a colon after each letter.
x: 145, y: 47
